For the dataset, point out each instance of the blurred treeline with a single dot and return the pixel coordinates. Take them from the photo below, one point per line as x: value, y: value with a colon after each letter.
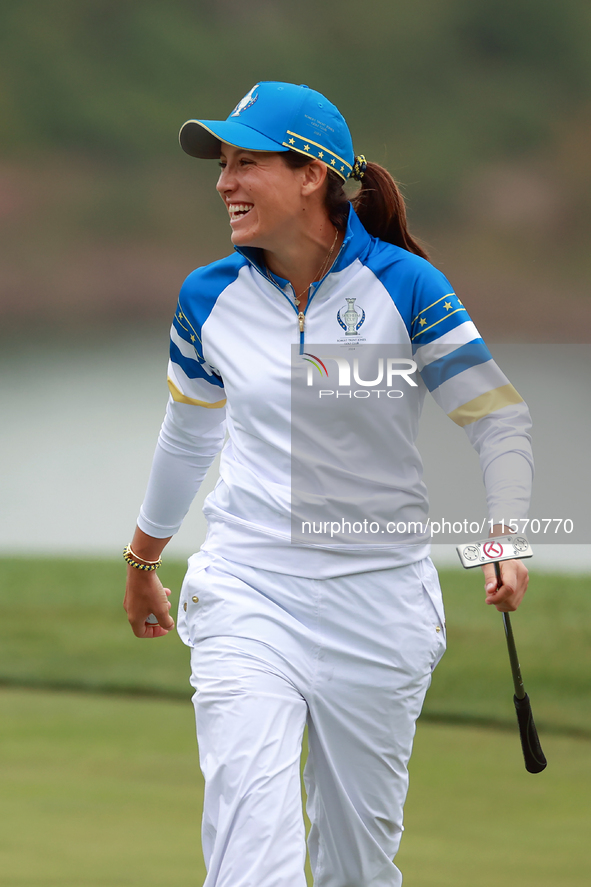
x: 481, y: 108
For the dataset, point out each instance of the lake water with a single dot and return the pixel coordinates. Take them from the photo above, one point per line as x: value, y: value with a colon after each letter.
x: 80, y: 421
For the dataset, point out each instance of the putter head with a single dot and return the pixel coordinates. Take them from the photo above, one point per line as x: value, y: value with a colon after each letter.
x: 490, y: 551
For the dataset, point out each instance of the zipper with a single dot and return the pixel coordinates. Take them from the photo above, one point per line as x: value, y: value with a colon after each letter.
x: 301, y: 321
x: 301, y: 315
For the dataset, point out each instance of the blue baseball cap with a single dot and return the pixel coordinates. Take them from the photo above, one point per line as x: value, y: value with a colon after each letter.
x: 276, y: 116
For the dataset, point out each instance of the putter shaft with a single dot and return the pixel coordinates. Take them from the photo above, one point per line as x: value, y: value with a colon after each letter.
x: 515, y: 667
x: 471, y: 556
x: 513, y: 659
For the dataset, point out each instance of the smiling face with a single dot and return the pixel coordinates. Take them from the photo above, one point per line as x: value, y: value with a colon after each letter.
x: 266, y: 199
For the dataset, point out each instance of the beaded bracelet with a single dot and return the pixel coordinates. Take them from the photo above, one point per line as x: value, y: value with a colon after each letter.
x: 130, y: 558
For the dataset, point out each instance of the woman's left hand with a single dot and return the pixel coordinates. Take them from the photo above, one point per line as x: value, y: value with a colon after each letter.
x: 514, y: 579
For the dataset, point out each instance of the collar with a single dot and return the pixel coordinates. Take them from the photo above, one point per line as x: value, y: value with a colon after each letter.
x: 355, y: 246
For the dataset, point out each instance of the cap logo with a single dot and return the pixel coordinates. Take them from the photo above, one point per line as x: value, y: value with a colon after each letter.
x: 248, y: 100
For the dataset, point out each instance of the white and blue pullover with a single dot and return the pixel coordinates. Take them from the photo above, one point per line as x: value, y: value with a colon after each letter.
x: 230, y: 371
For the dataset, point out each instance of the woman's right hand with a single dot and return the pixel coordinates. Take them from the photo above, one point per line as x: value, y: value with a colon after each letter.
x: 145, y: 594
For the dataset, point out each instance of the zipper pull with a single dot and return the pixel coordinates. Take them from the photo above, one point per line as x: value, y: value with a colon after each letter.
x: 301, y: 319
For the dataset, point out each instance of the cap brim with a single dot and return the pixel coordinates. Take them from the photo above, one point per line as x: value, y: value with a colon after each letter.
x: 202, y: 138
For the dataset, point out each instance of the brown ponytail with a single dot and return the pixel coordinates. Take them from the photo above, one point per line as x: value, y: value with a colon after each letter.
x: 379, y: 204
x: 380, y: 207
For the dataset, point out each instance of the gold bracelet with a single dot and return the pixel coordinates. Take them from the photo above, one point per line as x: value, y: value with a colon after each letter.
x: 130, y: 558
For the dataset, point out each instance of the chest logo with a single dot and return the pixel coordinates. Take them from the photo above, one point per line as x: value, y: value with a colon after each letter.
x: 248, y: 100
x: 351, y: 320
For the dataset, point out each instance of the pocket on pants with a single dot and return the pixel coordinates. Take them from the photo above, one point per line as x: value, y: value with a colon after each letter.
x: 190, y: 595
x: 433, y: 602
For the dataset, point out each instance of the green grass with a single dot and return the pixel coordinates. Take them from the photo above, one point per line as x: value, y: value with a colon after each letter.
x: 553, y: 636
x: 100, y: 791
x: 476, y: 818
x: 64, y: 626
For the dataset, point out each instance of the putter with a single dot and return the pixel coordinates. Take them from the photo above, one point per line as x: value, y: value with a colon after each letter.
x: 493, y: 550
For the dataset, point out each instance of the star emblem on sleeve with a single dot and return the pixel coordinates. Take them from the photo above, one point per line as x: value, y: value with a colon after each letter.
x: 447, y: 305
x: 192, y: 338
x: 422, y: 321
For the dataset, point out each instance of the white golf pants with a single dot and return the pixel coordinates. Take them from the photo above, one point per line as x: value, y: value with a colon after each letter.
x: 352, y: 657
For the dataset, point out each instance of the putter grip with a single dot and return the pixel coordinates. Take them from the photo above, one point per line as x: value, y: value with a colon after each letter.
x: 535, y: 760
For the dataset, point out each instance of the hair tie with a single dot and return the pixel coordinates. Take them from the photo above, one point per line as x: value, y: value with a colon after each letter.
x: 359, y: 168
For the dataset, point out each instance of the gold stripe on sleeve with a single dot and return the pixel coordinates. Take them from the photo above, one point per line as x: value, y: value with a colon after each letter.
x: 179, y: 397
x: 484, y: 404
x: 441, y: 319
x: 432, y: 305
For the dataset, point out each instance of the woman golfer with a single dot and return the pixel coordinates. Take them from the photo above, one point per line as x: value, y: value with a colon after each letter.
x: 315, y: 620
